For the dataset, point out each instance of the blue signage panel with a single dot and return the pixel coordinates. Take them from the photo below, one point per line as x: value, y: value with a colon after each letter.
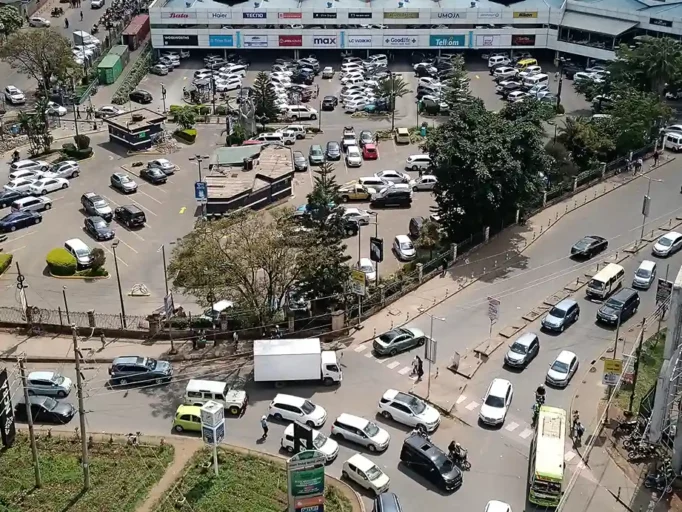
x: 222, y: 40
x: 447, y: 40
x: 200, y: 191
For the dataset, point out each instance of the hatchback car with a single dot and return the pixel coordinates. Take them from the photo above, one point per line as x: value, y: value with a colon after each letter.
x: 402, y: 136
x: 425, y: 182
x: 563, y: 368
x: 294, y: 408
x: 333, y: 150
x: 187, y: 419
x: 644, y: 275
x: 321, y: 443
x: 21, y: 185
x: 329, y: 102
x: 497, y: 506
x: 668, y: 244
x: 370, y: 152
x: 398, y: 340
x: 300, y: 161
x: 144, y: 370
x: 45, y: 409
x: 108, y: 111
x: 361, y: 431
x: 353, y: 156
x: 416, y: 162
x: 496, y: 402
x: 408, y: 410
x: 588, y: 246
x: 98, y: 228
x: 561, y: 315
x: 366, y: 474
x: 404, y: 248
x: 122, y: 182
x: 522, y: 351
x: 395, y: 176
x: 316, y: 155
x: 48, y: 384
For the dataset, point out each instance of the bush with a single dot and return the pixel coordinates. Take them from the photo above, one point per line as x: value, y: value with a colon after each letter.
x: 221, y: 110
x: 5, y: 261
x: 72, y: 152
x: 61, y: 262
x: 204, y: 110
x: 560, y: 110
x: 93, y: 272
x: 197, y: 323
x: 82, y: 141
x: 188, y: 136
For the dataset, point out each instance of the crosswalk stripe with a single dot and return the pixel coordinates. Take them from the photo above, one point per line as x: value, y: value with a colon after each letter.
x: 404, y: 371
x: 512, y: 426
x: 569, y: 456
x: 360, y: 348
x: 471, y: 406
x: 526, y: 434
x: 381, y: 360
x: 393, y: 365
x: 461, y: 399
x: 368, y: 355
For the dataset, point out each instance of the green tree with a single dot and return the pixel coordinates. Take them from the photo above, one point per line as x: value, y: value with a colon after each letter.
x: 392, y: 87
x: 562, y: 167
x: 40, y: 53
x: 35, y: 125
x: 10, y: 19
x: 587, y: 142
x: 325, y: 197
x: 186, y: 117
x: 458, y: 88
x: 487, y: 168
x: 530, y: 111
x: 98, y: 258
x: 592, y: 88
x: 429, y: 237
x: 264, y: 97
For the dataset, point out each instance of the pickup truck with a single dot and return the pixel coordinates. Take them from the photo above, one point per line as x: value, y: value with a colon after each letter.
x: 356, y: 192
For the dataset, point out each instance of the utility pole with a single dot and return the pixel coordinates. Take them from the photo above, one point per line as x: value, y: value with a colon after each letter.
x: 81, y: 409
x: 31, y: 432
x: 638, y: 354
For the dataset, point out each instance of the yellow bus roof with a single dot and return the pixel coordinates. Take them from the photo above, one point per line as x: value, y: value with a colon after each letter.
x: 550, y: 443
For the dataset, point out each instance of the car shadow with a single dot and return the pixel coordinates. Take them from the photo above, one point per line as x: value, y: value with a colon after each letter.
x: 426, y: 484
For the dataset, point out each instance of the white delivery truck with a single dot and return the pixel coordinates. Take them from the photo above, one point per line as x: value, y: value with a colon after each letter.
x: 282, y: 360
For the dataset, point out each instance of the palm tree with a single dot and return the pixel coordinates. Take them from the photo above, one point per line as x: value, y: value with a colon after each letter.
x: 392, y: 87
x: 663, y: 58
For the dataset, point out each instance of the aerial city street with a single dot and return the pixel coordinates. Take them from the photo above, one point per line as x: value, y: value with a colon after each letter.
x: 387, y: 257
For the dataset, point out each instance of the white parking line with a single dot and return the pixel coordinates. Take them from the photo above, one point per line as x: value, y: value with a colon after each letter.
x: 131, y: 248
x: 404, y: 371
x: 472, y: 406
x: 369, y: 355
x: 393, y: 365
x: 525, y: 434
x: 150, y: 197
x: 569, y: 456
x: 461, y: 399
x: 381, y: 360
x: 110, y: 200
x: 10, y: 240
x: 112, y: 253
x: 512, y: 426
x: 360, y: 348
x: 143, y: 207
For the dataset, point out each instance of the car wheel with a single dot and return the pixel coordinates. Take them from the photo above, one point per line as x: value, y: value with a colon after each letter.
x: 313, y: 117
x: 310, y: 424
x: 234, y: 410
x: 344, y: 199
x: 277, y: 416
x: 43, y: 192
x: 421, y: 427
x: 393, y: 352
x: 178, y: 428
x: 371, y: 448
x: 415, y: 168
x: 61, y: 394
x: 158, y: 381
x: 123, y: 382
x: 30, y: 392
x: 13, y: 228
x: 414, y: 189
x: 289, y: 449
x: 386, y: 415
x: 561, y: 329
x: 48, y: 206
x: 65, y: 186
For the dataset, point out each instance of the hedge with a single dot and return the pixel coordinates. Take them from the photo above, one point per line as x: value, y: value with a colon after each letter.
x: 61, y: 262
x: 197, y: 323
x: 5, y: 262
x: 188, y: 136
x: 71, y: 151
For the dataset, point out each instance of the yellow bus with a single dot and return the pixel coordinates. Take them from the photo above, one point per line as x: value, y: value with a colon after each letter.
x: 547, y: 464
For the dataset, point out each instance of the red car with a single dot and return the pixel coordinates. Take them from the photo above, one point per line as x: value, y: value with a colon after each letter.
x: 370, y: 152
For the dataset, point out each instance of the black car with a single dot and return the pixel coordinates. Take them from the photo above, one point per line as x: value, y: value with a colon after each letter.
x: 329, y: 102
x: 45, y: 409
x: 153, y: 175
x: 18, y: 220
x: 96, y: 205
x: 569, y: 70
x: 145, y: 370
x: 98, y: 228
x: 130, y: 215
x: 7, y: 197
x: 366, y: 137
x: 423, y: 70
x: 432, y: 463
x: 303, y: 78
x: 333, y: 150
x: 619, y: 307
x: 300, y: 162
x: 140, y: 96
x: 588, y: 246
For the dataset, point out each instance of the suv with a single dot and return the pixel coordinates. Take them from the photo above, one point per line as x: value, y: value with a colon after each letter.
x: 96, y: 205
x: 561, y: 315
x: 392, y: 197
x: 127, y: 369
x: 619, y: 307
x: 130, y: 215
x: 425, y: 458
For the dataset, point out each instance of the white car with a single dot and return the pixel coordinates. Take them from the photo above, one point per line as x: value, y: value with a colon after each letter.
x: 436, y: 98
x: 28, y: 174
x: 164, y: 165
x: 408, y: 410
x: 66, y: 169
x: 429, y: 82
x: 497, y: 506
x: 55, y: 109
x: 236, y: 69
x: 354, y: 105
x: 416, y: 162
x: 21, y: 185
x: 44, y: 185
x: 516, y: 96
x: 367, y: 267
x: 37, y: 21
x: 282, y: 68
x: 228, y: 85
x: 668, y: 244
x: 582, y: 75
x: 378, y: 58
x: 404, y: 248
x: 328, y: 72
x: 353, y: 156
x: 530, y: 71
x: 366, y: 474
x: 674, y: 128
x: 14, y: 95
x: 108, y: 111
x: 47, y: 383
x: 426, y: 182
x: 395, y: 176
x: 596, y: 69
x: 322, y: 443
x: 537, y: 90
x: 351, y: 66
x: 361, y: 216
x: 361, y: 431
x: 563, y: 368
x: 505, y: 72
x: 201, y: 74
x: 294, y: 408
x: 496, y: 402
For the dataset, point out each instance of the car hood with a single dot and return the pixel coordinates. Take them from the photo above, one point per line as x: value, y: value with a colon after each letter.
x: 163, y: 366
x: 659, y: 248
x: 553, y: 320
x: 65, y: 409
x: 329, y: 448
x: 381, y: 482
x: 515, y: 356
x: 318, y: 414
x: 609, y: 311
x: 556, y: 376
x: 382, y: 437
x: 417, y: 333
x: 494, y: 413
x: 354, y: 158
x: 334, y: 151
x: 67, y: 383
x: 408, y: 251
x: 104, y: 229
x: 132, y: 184
x: 430, y: 415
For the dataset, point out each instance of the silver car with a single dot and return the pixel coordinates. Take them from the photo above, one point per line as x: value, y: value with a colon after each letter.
x: 48, y: 384
x: 353, y: 157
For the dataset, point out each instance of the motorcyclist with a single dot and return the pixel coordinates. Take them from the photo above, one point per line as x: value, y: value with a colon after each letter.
x: 536, y: 412
x: 540, y: 394
x: 421, y: 432
x: 15, y: 156
x: 456, y: 451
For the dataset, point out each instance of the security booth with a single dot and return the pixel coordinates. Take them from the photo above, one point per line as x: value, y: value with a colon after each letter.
x: 136, y: 130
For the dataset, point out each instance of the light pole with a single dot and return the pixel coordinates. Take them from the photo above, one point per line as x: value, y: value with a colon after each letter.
x: 646, y: 204
x: 163, y: 97
x: 66, y: 305
x: 430, y: 355
x: 561, y: 81
x: 198, y: 159
x: 118, y: 280
x: 391, y: 77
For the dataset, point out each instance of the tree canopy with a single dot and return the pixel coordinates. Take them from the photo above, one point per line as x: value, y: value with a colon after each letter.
x: 10, y: 19
x: 264, y: 97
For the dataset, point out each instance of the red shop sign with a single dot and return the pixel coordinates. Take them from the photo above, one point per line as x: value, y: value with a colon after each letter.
x: 291, y: 40
x: 290, y: 15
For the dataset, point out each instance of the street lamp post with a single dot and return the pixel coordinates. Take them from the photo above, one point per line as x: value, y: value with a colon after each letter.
x: 561, y: 81
x: 646, y: 204
x: 198, y: 159
x: 391, y: 77
x: 66, y: 305
x: 163, y: 97
x: 118, y: 280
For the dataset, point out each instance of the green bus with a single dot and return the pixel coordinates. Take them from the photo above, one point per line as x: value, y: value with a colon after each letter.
x: 547, y: 448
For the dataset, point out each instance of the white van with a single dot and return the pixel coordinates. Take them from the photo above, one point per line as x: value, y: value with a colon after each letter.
x: 275, y: 137
x: 354, y: 80
x: 498, y: 59
x: 644, y: 275
x: 298, y: 129
x: 301, y: 112
x: 673, y: 141
x: 289, y: 137
x: 416, y: 162
x: 606, y: 281
x: 80, y: 251
x: 198, y: 392
x: 32, y: 204
x: 234, y: 69
x: 533, y: 80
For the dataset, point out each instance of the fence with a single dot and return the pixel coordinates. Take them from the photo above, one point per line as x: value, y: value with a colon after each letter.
x: 53, y: 317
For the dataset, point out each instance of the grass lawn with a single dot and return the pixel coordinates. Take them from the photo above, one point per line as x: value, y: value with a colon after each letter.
x: 120, y: 476
x: 245, y: 483
x: 649, y: 366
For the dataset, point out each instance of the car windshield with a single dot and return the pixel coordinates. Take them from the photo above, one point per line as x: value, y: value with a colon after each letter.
x: 518, y: 348
x: 50, y: 403
x: 416, y: 405
x: 57, y: 379
x: 367, y: 268
x: 373, y: 473
x: 99, y: 223
x: 308, y: 407
x: 319, y: 440
x: 665, y: 242
x: 560, y: 367
x: 614, y: 303
x: 406, y: 245
x: 125, y: 179
x: 494, y: 401
x: 445, y: 465
x: 597, y: 285
x: 99, y: 203
x: 316, y: 151
x: 371, y: 429
x: 643, y: 273
x: 558, y: 313
x: 151, y: 363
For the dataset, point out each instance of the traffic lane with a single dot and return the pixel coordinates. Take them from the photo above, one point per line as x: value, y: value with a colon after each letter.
x: 545, y: 267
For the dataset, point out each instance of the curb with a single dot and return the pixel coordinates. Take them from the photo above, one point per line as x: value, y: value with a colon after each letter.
x: 177, y: 358
x: 81, y: 277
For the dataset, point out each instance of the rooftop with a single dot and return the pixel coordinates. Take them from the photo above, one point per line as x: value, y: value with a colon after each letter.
x: 135, y: 119
x: 360, y: 5
x: 228, y: 178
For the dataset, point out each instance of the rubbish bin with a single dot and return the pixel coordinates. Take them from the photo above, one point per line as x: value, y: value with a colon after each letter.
x: 422, y: 131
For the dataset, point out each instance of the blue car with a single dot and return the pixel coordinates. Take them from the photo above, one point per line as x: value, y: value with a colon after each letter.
x: 18, y: 220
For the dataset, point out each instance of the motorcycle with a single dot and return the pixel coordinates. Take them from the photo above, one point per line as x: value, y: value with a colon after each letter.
x: 57, y: 12
x: 95, y: 29
x: 460, y: 459
x: 625, y: 427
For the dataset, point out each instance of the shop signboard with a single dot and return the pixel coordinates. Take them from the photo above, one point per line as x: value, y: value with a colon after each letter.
x: 180, y: 40
x: 290, y: 15
x: 489, y: 15
x: 291, y: 40
x: 521, y: 40
x: 178, y: 15
x: 448, y: 15
x: 447, y: 41
x: 260, y: 41
x: 220, y: 15
x: 401, y: 15
x: 525, y: 14
x: 226, y: 41
x: 660, y: 22
x: 359, y: 41
x: 254, y: 15
x: 9, y: 429
x: 401, y: 41
x: 305, y: 474
x: 360, y: 15
x: 324, y: 15
x: 487, y: 41
x: 325, y: 41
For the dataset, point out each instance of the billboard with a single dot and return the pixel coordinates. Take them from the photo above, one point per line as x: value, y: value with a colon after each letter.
x: 220, y: 40
x: 290, y: 15
x: 305, y: 475
x: 447, y: 41
x: 290, y: 40
x: 180, y: 40
x: 526, y: 14
x: 325, y: 41
x: 488, y: 41
x: 401, y: 41
x: 9, y: 429
x: 489, y: 15
x: 255, y: 41
x: 360, y: 15
x: 401, y: 15
x: 521, y: 40
x: 221, y: 15
x: 448, y: 15
x: 324, y: 15
x: 359, y: 41
x: 254, y: 15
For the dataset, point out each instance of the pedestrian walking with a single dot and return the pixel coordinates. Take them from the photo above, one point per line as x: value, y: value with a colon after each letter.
x: 264, y: 426
x: 420, y: 369
x: 444, y: 267
x: 556, y: 76
x: 78, y: 112
x: 81, y: 15
x: 578, y: 437
x: 657, y: 155
x: 640, y: 164
x: 66, y: 22
x: 415, y: 365
x: 235, y: 337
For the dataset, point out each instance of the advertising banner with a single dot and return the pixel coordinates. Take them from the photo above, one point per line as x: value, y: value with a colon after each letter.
x: 489, y: 15
x: 9, y: 429
x: 290, y: 40
x: 521, y: 40
x: 180, y: 40
x: 404, y: 15
x: 359, y: 41
x: 221, y: 15
x: 178, y: 15
x: 612, y: 370
x: 449, y: 41
x: 526, y: 14
x: 405, y: 41
x: 325, y: 41
x: 358, y: 281
x: 289, y: 15
x: 360, y: 15
x: 305, y: 474
x: 255, y: 41
x: 225, y: 41
x: 660, y: 22
x: 324, y: 15
x: 440, y: 15
x: 487, y: 41
x: 255, y: 15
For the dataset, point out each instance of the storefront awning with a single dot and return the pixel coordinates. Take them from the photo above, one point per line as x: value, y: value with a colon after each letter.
x: 597, y: 24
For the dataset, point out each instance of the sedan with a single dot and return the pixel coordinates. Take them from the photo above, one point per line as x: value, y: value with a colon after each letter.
x: 668, y: 244
x: 582, y: 75
x: 516, y: 96
x: 108, y: 111
x: 353, y: 156
x: 366, y: 137
x: 153, y: 175
x: 505, y: 72
x: 122, y: 182
x: 355, y: 105
x: 361, y: 216
x: 562, y: 369
x: 18, y: 220
x: 496, y: 402
x: 398, y: 340
x: 164, y: 165
x: 395, y: 176
x: 37, y: 21
x: 20, y: 185
x: 45, y: 185
x: 428, y: 82
x: 66, y: 169
x: 7, y: 197
x: 228, y: 85
x: 159, y: 69
x: 98, y: 228
x: 426, y: 182
x: 329, y: 102
x: 333, y: 150
x: 366, y: 266
x: 141, y: 96
x: 300, y: 161
x: 589, y: 245
x: 55, y: 109
x: 45, y: 410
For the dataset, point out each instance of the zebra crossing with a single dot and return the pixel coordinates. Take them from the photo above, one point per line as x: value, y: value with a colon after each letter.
x: 394, y: 365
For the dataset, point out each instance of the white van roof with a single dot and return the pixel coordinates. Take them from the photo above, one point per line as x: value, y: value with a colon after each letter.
x: 212, y: 386
x: 608, y: 272
x: 647, y: 265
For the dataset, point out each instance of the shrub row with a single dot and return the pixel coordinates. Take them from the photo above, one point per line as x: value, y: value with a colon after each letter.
x: 137, y: 73
x: 199, y: 110
x: 71, y: 151
x: 188, y: 136
x: 61, y: 262
x: 5, y: 261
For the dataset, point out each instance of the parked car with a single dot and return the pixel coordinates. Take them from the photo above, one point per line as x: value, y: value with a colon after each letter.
x: 300, y: 161
x: 18, y: 220
x: 163, y: 164
x: 96, y: 205
x: 98, y: 228
x: 45, y: 409
x: 122, y: 182
x: 333, y: 151
x: 316, y: 155
x: 142, y: 370
x: 329, y: 102
x: 153, y: 175
x: 67, y: 169
x: 45, y: 185
x: 353, y: 156
x: 48, y: 383
x: 159, y: 69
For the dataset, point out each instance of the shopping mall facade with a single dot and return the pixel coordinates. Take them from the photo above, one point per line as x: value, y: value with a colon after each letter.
x: 591, y: 29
